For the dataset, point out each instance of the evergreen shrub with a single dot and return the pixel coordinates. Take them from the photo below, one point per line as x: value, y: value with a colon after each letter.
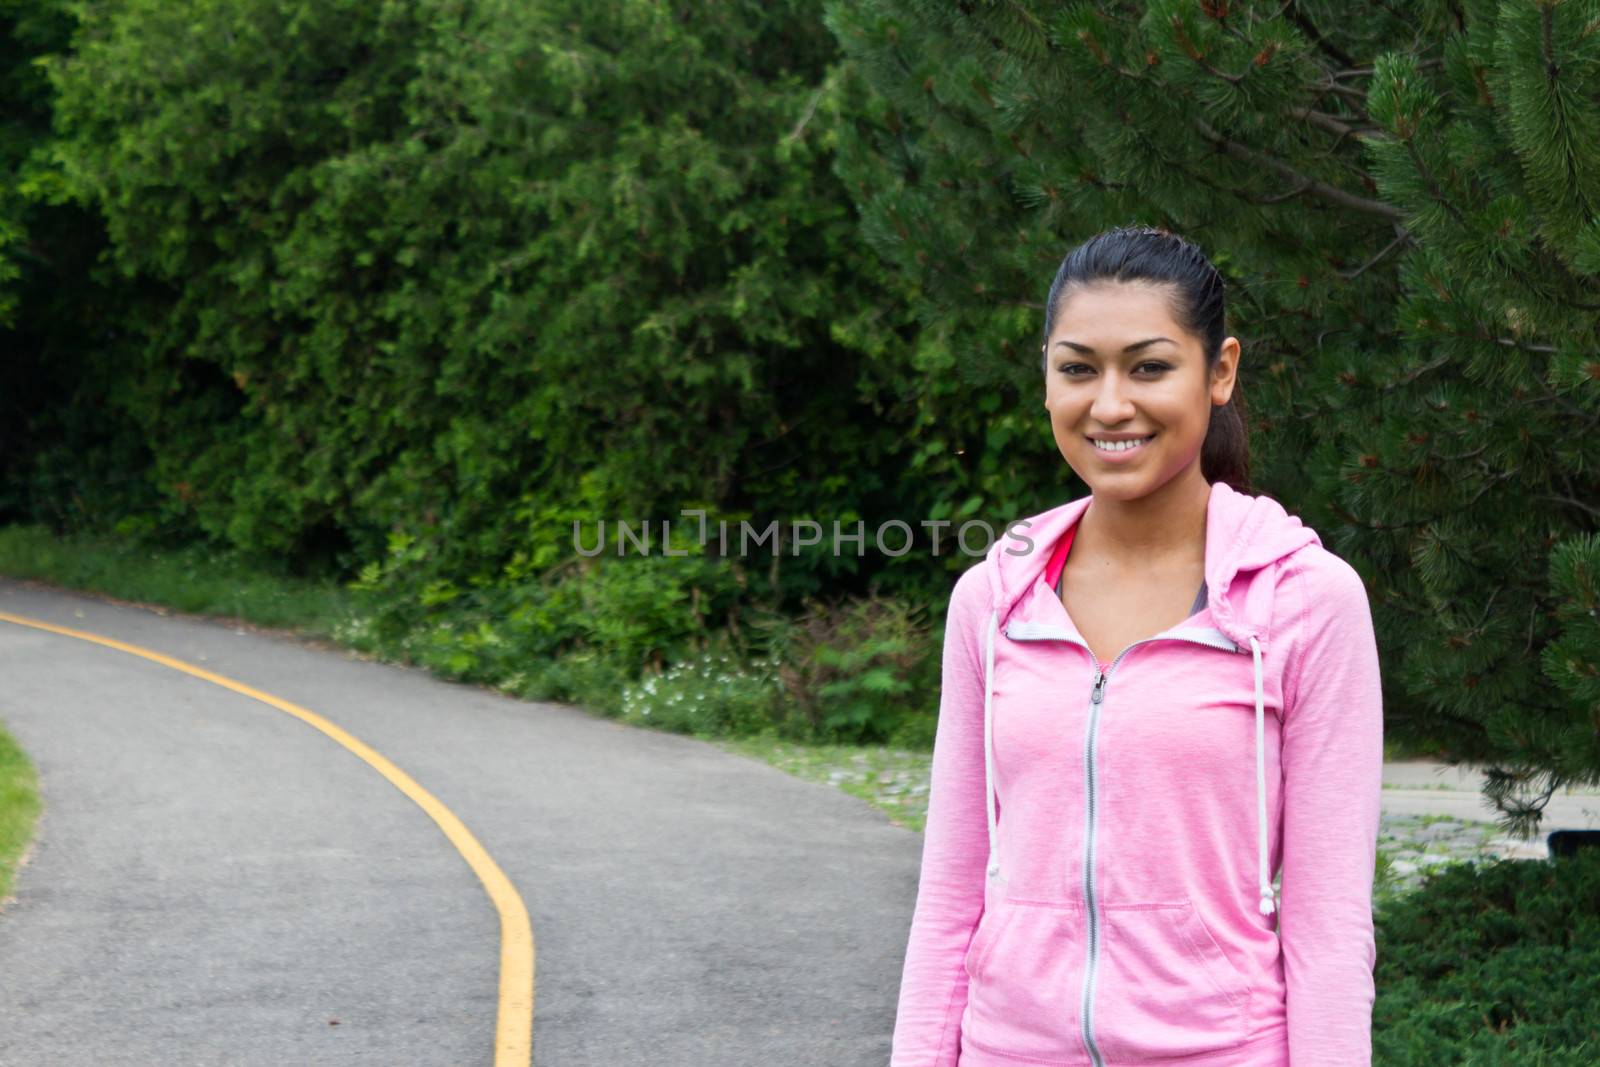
x: 1492, y: 963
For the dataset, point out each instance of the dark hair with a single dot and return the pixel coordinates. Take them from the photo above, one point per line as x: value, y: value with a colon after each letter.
x: 1153, y: 255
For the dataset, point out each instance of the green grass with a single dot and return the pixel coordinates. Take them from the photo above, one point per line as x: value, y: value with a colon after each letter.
x: 19, y: 807
x: 893, y: 780
x: 188, y: 579
x: 1394, y: 750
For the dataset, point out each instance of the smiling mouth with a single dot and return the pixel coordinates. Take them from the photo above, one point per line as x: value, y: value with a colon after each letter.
x: 1120, y: 448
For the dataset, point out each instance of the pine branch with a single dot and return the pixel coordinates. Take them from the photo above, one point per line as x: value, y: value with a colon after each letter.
x: 1405, y: 19
x: 1513, y: 343
x: 1555, y: 265
x: 1483, y: 616
x: 1300, y: 19
x: 1401, y: 237
x: 1320, y: 189
x: 1333, y: 124
x: 1373, y: 524
x: 1552, y: 66
x: 1357, y: 97
x: 1590, y: 419
x: 1437, y: 194
x: 1558, y: 498
x: 1434, y: 189
x: 1278, y: 198
x: 811, y: 109
x: 1364, y: 72
x: 1489, y: 483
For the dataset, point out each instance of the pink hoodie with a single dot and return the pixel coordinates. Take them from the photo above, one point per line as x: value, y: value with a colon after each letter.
x: 1096, y: 883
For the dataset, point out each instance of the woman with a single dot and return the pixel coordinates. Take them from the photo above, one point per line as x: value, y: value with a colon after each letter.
x: 1153, y: 697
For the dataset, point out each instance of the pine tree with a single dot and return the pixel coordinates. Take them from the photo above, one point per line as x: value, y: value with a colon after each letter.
x: 1405, y: 201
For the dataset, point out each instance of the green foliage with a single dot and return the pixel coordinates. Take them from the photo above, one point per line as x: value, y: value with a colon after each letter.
x: 711, y: 695
x: 862, y: 670
x: 27, y: 28
x: 430, y: 259
x: 65, y: 457
x: 634, y: 610
x: 1491, y: 964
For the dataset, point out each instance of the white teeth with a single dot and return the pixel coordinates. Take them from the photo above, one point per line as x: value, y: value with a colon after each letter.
x: 1119, y: 446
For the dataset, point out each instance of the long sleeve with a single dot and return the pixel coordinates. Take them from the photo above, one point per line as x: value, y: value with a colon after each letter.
x: 1332, y: 792
x: 950, y: 893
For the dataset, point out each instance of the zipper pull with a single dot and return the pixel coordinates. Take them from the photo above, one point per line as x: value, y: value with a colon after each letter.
x: 1099, y: 685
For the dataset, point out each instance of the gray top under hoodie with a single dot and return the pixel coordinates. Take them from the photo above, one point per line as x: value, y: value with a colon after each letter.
x: 1199, y: 600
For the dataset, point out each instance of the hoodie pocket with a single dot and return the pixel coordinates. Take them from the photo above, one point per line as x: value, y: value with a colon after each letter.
x: 1163, y: 986
x: 1025, y: 977
x: 983, y: 940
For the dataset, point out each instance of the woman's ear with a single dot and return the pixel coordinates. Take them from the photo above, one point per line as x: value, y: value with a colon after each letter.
x: 1225, y: 372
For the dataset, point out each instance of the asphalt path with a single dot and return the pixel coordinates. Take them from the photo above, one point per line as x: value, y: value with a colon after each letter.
x: 216, y: 882
x: 1423, y: 787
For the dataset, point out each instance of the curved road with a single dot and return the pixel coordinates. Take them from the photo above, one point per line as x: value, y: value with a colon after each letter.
x: 216, y: 882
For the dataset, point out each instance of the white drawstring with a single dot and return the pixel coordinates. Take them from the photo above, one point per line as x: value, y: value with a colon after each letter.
x: 988, y: 740
x: 1268, y: 903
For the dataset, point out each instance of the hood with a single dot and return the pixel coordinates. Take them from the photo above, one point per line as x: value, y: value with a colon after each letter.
x: 1244, y: 533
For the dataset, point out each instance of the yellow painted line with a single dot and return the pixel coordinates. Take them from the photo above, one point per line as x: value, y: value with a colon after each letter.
x: 514, y: 1031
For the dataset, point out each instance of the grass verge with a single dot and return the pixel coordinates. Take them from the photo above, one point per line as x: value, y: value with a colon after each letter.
x: 19, y: 808
x: 893, y: 780
x: 187, y: 579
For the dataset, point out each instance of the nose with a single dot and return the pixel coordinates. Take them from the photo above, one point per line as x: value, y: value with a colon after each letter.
x: 1111, y: 404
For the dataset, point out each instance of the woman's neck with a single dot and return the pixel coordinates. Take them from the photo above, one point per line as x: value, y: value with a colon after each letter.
x: 1163, y: 528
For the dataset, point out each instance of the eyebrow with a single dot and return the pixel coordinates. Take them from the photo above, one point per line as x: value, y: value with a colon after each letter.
x: 1136, y: 346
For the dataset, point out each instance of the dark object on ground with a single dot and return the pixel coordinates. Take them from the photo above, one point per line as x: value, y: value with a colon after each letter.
x: 1567, y: 842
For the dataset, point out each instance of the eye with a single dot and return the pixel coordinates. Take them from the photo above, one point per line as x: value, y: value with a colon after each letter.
x: 1153, y: 366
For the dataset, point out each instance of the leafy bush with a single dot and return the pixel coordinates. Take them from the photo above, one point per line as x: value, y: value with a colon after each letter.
x: 1494, y: 963
x: 860, y: 670
x: 640, y: 609
x: 711, y: 695
x: 430, y: 263
x: 587, y: 676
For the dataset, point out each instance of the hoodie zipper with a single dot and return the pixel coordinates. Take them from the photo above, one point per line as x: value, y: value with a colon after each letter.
x: 1209, y: 637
